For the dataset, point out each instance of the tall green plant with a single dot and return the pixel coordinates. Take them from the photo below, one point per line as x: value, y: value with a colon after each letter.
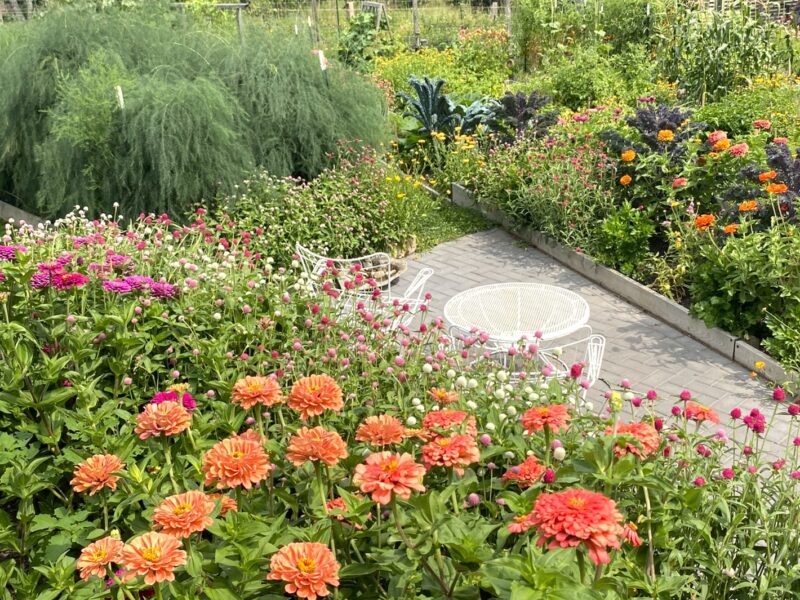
x: 157, y: 110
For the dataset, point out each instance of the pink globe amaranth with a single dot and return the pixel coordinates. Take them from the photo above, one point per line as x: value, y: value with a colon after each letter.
x: 736, y: 413
x: 794, y: 409
x: 651, y: 395
x: 676, y: 411
x: 485, y: 439
x: 699, y: 481
x: 473, y: 499
x: 658, y: 424
x: 686, y: 395
x: 778, y: 395
x: 728, y: 473
x: 625, y: 384
x: 747, y: 450
x: 549, y: 476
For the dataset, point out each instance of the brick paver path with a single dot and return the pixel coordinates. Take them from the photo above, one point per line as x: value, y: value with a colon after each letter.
x: 639, y: 347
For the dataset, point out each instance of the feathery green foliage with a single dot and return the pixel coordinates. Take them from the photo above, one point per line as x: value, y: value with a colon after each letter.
x: 157, y: 110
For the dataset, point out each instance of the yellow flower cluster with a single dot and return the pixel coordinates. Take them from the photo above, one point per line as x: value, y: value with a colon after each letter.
x: 438, y: 135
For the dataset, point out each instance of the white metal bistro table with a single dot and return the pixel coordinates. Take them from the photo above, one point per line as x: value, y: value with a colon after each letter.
x: 508, y: 311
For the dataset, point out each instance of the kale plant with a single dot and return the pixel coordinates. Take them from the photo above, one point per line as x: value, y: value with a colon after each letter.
x: 515, y: 114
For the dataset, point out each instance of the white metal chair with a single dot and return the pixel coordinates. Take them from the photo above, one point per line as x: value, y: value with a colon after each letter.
x: 588, y: 351
x: 375, y: 273
x: 376, y: 267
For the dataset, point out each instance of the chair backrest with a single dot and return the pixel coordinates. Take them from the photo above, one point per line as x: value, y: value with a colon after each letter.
x: 417, y: 287
x: 595, y: 349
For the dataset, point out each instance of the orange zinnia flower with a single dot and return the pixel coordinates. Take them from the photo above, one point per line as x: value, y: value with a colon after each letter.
x: 698, y: 412
x: 665, y: 135
x: 253, y: 436
x: 442, y: 396
x: 227, y: 504
x: 153, y: 555
x: 96, y: 473
x: 721, y: 145
x: 767, y: 176
x: 183, y: 514
x: 97, y: 555
x: 731, y: 229
x: 525, y: 474
x: 250, y: 391
x: 644, y: 433
x: 306, y: 567
x: 384, y: 473
x: 167, y: 418
x: 554, y: 416
x: 748, y: 206
x: 316, y: 444
x: 381, y: 431
x: 456, y: 451
x: 236, y: 462
x: 777, y: 188
x: 703, y: 222
x: 625, y: 180
x: 573, y: 517
x: 439, y: 422
x: 627, y: 155
x: 312, y: 396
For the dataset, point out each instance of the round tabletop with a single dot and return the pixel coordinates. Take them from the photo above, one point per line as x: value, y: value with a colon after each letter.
x: 509, y: 311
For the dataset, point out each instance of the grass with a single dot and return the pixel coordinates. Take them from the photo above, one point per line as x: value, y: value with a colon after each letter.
x: 445, y: 222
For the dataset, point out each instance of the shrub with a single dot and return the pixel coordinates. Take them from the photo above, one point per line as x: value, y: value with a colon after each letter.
x: 623, y: 237
x: 466, y: 80
x: 559, y: 185
x: 774, y: 98
x: 358, y: 207
x: 197, y: 110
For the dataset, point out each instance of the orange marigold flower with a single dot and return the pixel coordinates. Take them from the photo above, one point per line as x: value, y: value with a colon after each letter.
x: 250, y: 391
x: 97, y: 555
x: 227, y: 504
x: 625, y: 180
x: 441, y: 422
x: 721, y: 145
x: 698, y: 412
x: 167, y: 418
x: 457, y: 451
x: 316, y: 444
x: 381, y: 430
x: 153, y: 555
x: 731, y: 229
x: 577, y: 516
x: 554, y: 416
x: 236, y: 462
x: 385, y: 473
x: 306, y: 567
x: 312, y: 396
x: 184, y: 514
x: 665, y: 135
x: 767, y: 176
x: 777, y: 188
x: 96, y: 473
x: 525, y: 474
x: 748, y: 206
x: 703, y: 222
x: 628, y: 155
x: 644, y: 433
x: 442, y: 396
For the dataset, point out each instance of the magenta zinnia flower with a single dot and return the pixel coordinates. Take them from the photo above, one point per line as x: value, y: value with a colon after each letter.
x: 164, y: 290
